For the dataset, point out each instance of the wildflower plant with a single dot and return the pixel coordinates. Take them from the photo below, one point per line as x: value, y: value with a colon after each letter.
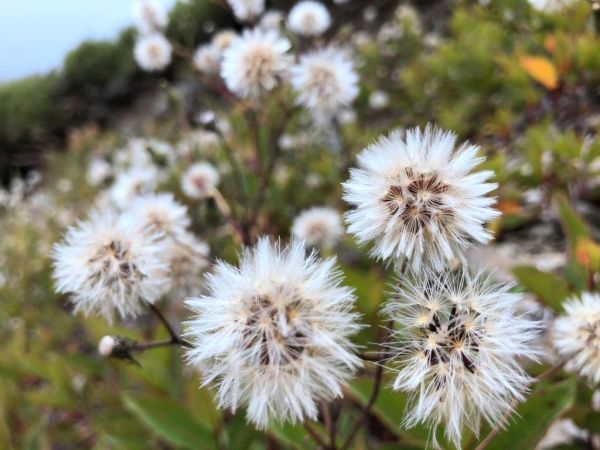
x: 296, y: 248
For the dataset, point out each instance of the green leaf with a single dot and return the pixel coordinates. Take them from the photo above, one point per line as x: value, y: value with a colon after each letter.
x: 170, y: 421
x: 295, y: 436
x: 533, y: 417
x: 573, y: 226
x: 549, y: 288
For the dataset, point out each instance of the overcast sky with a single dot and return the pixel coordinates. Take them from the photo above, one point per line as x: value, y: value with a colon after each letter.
x: 35, y: 35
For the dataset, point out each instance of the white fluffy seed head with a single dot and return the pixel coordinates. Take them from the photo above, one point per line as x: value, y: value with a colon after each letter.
x: 418, y: 198
x: 159, y: 214
x: 106, y: 346
x: 254, y: 62
x: 309, y: 18
x: 456, y: 345
x: 207, y: 59
x: 318, y: 227
x: 152, y: 52
x: 379, y: 99
x: 131, y: 184
x: 576, y: 335
x: 272, y: 20
x: 247, y: 10
x: 325, y: 82
x: 110, y: 267
x: 274, y: 333
x: 223, y: 39
x: 149, y: 15
x: 199, y: 180
x: 99, y: 170
x: 188, y: 260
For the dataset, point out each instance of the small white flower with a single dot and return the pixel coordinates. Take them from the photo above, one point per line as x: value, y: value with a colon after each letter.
x: 159, y: 214
x: 149, y: 16
x: 272, y: 20
x: 223, y: 39
x: 254, y: 62
x: 152, y: 52
x: 418, y: 198
x: 99, y: 170
x: 110, y: 266
x: 319, y: 227
x: 456, y: 343
x: 325, y: 82
x: 247, y: 10
x: 106, y: 345
x: 576, y: 335
x: 309, y: 18
x: 274, y: 333
x: 131, y: 184
x: 207, y: 59
x: 199, y: 180
x: 379, y: 99
x: 188, y: 259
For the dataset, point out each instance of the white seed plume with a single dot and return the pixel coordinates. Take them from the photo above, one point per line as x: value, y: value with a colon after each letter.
x: 106, y: 346
x: 309, y: 18
x: 199, y: 180
x: 318, y: 226
x: 254, y: 62
x: 110, y: 266
x: 456, y: 344
x: 418, y: 198
x: 99, y: 170
x: 188, y: 260
x: 152, y: 52
x: 159, y: 214
x: 272, y: 20
x: 379, y: 99
x: 207, y: 59
x: 223, y: 39
x: 325, y: 82
x: 149, y: 15
x: 273, y: 334
x: 576, y: 335
x: 247, y: 10
x: 131, y: 184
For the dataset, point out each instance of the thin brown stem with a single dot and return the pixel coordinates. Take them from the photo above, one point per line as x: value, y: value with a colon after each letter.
x: 225, y: 209
x: 329, y: 424
x: 175, y: 338
x: 143, y: 346
x: 318, y: 439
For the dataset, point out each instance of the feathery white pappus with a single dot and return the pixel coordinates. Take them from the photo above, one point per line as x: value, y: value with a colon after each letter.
x: 576, y: 335
x: 456, y: 345
x: 188, y: 260
x: 152, y: 52
x: 133, y: 183
x: 254, y: 62
x: 309, y: 18
x: 109, y: 266
x: 325, y: 82
x: 318, y: 226
x: 199, y: 180
x: 418, y: 198
x: 149, y: 16
x: 247, y: 10
x: 207, y: 59
x: 274, y: 333
x: 159, y: 214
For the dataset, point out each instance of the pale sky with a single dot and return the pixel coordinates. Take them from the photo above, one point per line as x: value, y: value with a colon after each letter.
x: 35, y: 35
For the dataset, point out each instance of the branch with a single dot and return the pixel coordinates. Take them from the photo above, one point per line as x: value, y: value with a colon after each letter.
x: 318, y: 439
x: 175, y: 338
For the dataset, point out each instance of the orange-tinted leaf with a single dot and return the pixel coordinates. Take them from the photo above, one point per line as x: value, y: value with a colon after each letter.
x: 509, y: 207
x: 587, y: 253
x: 540, y: 69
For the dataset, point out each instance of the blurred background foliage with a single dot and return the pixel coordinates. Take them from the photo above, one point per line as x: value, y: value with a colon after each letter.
x: 522, y: 83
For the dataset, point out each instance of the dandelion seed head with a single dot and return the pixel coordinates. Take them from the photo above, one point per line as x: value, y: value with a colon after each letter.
x: 152, y: 52
x: 109, y: 266
x: 456, y: 345
x: 274, y: 333
x: 318, y: 226
x: 309, y: 18
x: 149, y: 15
x: 199, y: 180
x: 207, y: 59
x: 576, y: 335
x: 223, y: 39
x: 254, y: 62
x: 159, y: 214
x: 247, y: 10
x: 419, y: 199
x: 131, y: 184
x: 325, y: 82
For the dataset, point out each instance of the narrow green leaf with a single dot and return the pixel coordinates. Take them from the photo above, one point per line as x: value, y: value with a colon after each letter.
x: 548, y: 288
x: 170, y: 421
x: 295, y: 436
x: 533, y: 417
x: 573, y: 226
